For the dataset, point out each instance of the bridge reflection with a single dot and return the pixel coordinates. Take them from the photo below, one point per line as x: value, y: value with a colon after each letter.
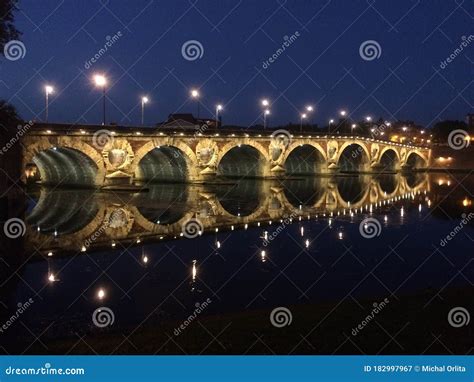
x: 87, y: 220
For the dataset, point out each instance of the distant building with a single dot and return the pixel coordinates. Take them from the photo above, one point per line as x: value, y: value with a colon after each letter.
x: 187, y: 121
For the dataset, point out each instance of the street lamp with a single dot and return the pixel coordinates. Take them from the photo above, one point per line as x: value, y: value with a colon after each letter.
x: 303, y: 116
x: 219, y: 108
x: 195, y: 95
x: 309, y: 108
x: 265, y: 113
x: 48, y: 89
x: 101, y: 81
x: 331, y: 121
x: 353, y: 126
x: 343, y: 113
x: 265, y: 103
x: 144, y: 101
x: 368, y: 118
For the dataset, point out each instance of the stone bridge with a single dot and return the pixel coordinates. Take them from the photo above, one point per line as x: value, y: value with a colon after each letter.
x: 108, y: 155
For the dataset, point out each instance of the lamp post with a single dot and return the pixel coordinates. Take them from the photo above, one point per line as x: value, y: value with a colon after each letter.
x: 101, y: 81
x: 265, y: 104
x: 218, y: 109
x: 195, y: 95
x: 303, y: 116
x: 342, y: 121
x: 144, y: 101
x: 331, y: 121
x: 310, y: 109
x: 265, y: 113
x: 48, y: 89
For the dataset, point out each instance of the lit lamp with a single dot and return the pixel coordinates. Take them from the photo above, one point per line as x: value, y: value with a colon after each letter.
x: 48, y: 89
x: 303, y: 116
x: 144, y: 101
x: 101, y: 82
x: 195, y: 95
x: 218, y: 109
x: 331, y: 121
x: 265, y: 113
x: 310, y: 109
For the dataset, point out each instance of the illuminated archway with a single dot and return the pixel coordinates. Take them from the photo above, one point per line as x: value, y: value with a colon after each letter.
x: 304, y: 160
x: 162, y: 164
x: 353, y: 158
x: 64, y: 166
x: 242, y: 161
x: 389, y: 160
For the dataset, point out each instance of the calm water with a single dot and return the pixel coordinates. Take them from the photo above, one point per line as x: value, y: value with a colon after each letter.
x: 259, y: 245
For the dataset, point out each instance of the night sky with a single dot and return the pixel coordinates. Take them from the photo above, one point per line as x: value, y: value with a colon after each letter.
x: 323, y: 66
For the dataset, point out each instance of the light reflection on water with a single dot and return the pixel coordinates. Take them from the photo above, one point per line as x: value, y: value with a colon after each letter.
x: 263, y: 244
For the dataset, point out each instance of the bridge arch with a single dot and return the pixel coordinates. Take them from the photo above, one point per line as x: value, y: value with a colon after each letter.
x: 304, y: 159
x: 243, y: 160
x: 65, y: 163
x: 164, y: 161
x: 353, y: 156
x: 416, y: 160
x: 389, y: 159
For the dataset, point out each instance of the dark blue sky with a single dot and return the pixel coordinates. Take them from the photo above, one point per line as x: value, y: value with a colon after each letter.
x: 322, y: 66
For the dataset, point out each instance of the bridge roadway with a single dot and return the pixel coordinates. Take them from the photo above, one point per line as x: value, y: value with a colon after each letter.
x: 95, y: 156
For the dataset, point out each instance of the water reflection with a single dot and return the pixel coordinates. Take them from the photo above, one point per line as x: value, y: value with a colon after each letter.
x: 88, y: 220
x: 264, y: 244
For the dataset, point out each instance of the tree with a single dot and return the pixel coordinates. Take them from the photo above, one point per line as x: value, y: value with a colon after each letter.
x: 8, y: 30
x: 442, y: 129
